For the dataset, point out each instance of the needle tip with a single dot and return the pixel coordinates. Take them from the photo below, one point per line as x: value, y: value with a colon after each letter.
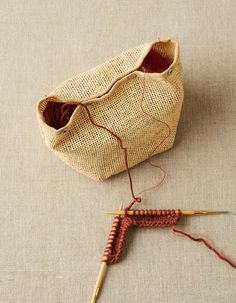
x: 95, y: 295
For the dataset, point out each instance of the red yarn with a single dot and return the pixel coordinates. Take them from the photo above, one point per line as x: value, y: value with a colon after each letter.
x: 121, y: 145
x: 208, y: 245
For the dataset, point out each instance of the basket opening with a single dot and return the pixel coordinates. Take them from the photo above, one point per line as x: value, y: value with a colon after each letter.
x: 159, y: 58
x: 57, y: 114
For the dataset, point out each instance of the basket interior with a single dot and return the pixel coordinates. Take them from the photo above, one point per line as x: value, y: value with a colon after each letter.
x: 159, y: 58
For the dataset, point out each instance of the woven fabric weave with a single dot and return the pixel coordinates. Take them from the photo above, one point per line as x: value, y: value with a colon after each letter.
x: 113, y: 93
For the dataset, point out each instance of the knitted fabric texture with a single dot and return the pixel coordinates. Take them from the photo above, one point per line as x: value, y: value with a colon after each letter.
x: 142, y: 218
x: 113, y: 92
x: 149, y: 218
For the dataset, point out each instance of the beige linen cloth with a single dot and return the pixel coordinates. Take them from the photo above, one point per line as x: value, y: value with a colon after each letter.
x: 52, y: 222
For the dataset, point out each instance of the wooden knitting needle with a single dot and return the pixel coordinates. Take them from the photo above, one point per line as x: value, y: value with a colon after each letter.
x: 101, y: 275
x: 100, y: 279
x: 183, y: 212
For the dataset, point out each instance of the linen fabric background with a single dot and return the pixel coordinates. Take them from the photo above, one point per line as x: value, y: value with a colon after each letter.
x: 52, y: 225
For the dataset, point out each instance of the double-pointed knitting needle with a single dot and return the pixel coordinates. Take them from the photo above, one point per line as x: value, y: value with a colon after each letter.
x: 183, y: 212
x: 101, y: 275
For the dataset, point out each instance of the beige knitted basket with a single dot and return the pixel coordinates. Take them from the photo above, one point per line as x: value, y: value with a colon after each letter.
x: 130, y: 94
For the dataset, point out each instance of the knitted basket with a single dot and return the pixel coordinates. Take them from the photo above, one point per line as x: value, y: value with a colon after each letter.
x: 128, y: 94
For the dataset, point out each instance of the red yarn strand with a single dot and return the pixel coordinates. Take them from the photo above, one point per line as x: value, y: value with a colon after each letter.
x: 155, y: 148
x: 208, y: 245
x: 158, y: 145
x: 121, y: 145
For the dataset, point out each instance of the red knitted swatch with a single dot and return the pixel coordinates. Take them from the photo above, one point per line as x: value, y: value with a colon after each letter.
x: 142, y: 218
x: 148, y: 218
